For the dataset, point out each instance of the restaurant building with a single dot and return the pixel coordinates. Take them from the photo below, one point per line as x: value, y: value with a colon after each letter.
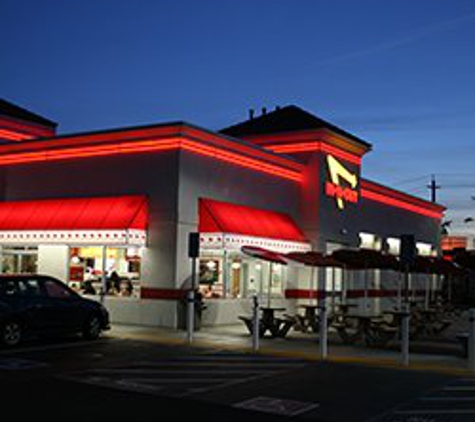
x: 121, y: 203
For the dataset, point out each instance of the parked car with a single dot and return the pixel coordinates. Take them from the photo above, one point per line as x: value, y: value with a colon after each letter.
x: 35, y: 305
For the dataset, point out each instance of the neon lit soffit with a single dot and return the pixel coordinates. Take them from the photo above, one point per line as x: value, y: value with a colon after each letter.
x: 315, y: 147
x: 13, y: 136
x: 387, y: 200
x: 153, y: 145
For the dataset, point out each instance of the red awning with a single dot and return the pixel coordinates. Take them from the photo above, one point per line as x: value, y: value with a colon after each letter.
x: 224, y: 217
x: 314, y: 259
x: 265, y: 254
x: 107, y: 213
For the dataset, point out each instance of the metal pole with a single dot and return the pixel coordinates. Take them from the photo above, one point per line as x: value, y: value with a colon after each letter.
x: 344, y: 285
x: 365, y: 300
x: 312, y: 282
x: 406, y: 285
x: 405, y: 334
x: 255, y: 323
x: 191, y: 304
x: 323, y: 320
x: 269, y: 287
x: 104, y: 274
x: 225, y: 275
x: 399, y: 291
x: 323, y: 331
x: 471, y: 341
x: 333, y: 289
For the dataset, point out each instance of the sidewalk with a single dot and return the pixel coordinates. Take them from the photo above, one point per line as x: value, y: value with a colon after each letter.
x: 440, y: 356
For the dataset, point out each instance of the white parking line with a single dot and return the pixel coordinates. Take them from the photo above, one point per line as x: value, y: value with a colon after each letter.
x: 458, y: 388
x: 264, y: 365
x: 13, y: 352
x: 177, y: 380
x: 187, y: 375
x: 235, y: 371
x: 246, y: 358
x: 448, y: 398
x: 436, y: 412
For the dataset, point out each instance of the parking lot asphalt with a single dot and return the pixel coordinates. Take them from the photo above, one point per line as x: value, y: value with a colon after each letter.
x: 132, y: 371
x: 444, y: 355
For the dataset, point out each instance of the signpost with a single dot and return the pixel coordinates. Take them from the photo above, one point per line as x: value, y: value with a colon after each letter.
x: 407, y: 257
x: 471, y: 341
x: 193, y: 253
x: 323, y: 319
x: 255, y: 323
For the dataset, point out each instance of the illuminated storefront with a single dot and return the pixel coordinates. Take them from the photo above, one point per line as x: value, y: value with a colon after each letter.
x: 110, y: 212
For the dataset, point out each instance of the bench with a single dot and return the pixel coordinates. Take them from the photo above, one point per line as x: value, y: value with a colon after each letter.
x: 284, y: 325
x: 248, y: 322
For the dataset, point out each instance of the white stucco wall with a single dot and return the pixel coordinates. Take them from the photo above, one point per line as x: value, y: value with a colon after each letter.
x: 53, y: 261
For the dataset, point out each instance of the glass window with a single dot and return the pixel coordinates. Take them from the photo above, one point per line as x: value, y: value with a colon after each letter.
x: 370, y: 241
x: 256, y: 278
x: 238, y: 276
x: 210, y: 277
x: 277, y: 279
x: 394, y: 245
x: 19, y: 260
x: 122, y: 266
x: 235, y: 274
x: 424, y: 249
x: 56, y: 290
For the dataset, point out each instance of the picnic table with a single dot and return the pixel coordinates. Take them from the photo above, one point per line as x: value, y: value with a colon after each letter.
x: 370, y: 329
x: 309, y: 320
x: 268, y: 322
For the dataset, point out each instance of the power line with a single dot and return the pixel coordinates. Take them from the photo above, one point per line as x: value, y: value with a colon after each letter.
x: 413, y: 179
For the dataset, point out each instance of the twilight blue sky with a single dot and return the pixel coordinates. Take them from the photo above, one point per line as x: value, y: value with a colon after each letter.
x: 398, y: 73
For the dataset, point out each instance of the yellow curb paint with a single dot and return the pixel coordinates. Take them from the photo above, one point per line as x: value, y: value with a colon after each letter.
x: 377, y: 362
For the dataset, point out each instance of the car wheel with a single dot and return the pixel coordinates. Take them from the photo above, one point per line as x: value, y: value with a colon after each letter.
x: 92, y: 328
x: 11, y: 333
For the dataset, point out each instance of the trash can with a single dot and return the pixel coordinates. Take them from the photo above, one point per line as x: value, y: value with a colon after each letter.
x: 183, y: 311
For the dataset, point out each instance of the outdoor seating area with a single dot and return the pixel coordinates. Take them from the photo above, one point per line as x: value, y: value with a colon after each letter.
x: 429, y: 317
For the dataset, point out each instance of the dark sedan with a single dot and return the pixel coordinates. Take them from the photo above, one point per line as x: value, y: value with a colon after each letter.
x: 33, y: 305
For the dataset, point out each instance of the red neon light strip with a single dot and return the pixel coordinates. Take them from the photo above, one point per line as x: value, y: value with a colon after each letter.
x: 240, y: 160
x: 23, y: 127
x: 13, y: 136
x: 150, y: 146
x: 315, y: 146
x: 351, y: 158
x: 385, y: 191
x: 373, y: 196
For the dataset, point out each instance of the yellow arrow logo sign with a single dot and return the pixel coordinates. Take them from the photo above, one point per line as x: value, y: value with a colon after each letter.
x: 334, y: 188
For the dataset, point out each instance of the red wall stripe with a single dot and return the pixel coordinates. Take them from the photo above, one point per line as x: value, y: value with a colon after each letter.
x: 352, y: 294
x: 162, y: 294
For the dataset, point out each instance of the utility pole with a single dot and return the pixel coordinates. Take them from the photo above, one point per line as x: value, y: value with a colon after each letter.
x: 433, y: 189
